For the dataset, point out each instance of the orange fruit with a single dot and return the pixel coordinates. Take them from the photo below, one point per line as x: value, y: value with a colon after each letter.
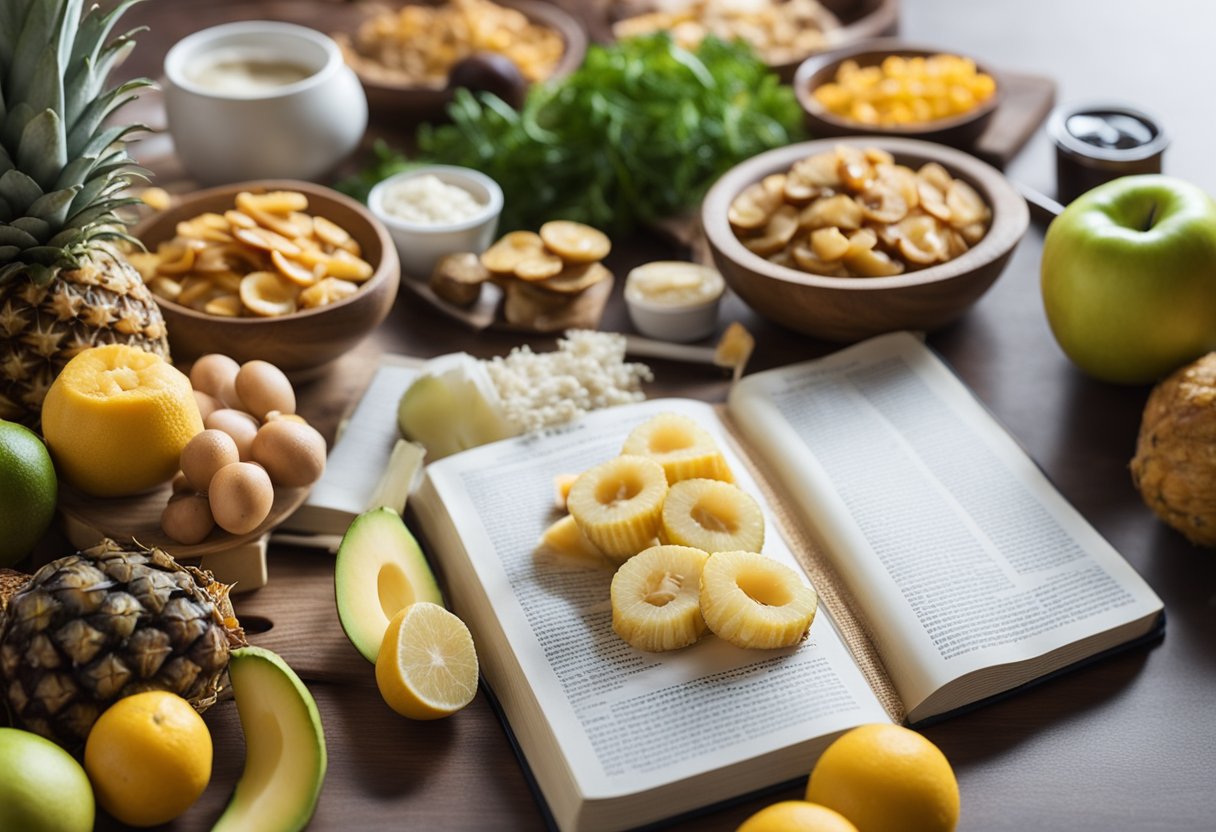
x: 887, y: 778
x: 796, y: 816
x: 28, y: 491
x: 116, y: 420
x: 149, y: 758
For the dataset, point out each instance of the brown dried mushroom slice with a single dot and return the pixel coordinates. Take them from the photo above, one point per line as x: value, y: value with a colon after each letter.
x: 511, y: 250
x: 777, y: 233
x: 575, y: 277
x: 457, y: 278
x: 575, y: 242
x: 839, y: 211
x: 752, y: 208
x: 541, y: 265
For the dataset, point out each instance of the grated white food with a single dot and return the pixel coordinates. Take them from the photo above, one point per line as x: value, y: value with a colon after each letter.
x: 428, y: 200
x: 587, y: 372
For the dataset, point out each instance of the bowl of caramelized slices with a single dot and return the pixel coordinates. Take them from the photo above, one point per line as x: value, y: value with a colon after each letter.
x: 289, y: 272
x: 412, y: 56
x: 781, y: 32
x: 842, y: 239
x: 888, y: 88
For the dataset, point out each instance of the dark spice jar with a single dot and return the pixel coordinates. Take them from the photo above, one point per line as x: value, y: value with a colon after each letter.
x: 1099, y: 142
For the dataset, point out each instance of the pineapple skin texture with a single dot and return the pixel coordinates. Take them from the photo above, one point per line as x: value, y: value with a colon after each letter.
x: 108, y: 622
x: 42, y: 328
x: 1174, y: 468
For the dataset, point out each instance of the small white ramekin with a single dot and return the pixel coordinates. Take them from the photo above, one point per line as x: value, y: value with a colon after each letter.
x: 674, y: 322
x: 421, y: 245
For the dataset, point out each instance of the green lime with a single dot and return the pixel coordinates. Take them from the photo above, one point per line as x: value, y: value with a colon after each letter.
x: 28, y: 491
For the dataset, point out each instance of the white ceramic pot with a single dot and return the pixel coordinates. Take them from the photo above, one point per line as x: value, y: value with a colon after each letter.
x: 298, y: 130
x: 421, y: 246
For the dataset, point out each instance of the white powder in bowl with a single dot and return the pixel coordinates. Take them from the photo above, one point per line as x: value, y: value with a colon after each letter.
x: 588, y: 371
x: 428, y: 200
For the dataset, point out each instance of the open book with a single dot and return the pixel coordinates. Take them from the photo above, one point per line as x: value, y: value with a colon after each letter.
x: 948, y: 567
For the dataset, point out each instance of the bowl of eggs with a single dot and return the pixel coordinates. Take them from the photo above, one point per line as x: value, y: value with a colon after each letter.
x: 285, y: 271
x: 411, y: 57
x: 842, y: 239
x: 889, y: 88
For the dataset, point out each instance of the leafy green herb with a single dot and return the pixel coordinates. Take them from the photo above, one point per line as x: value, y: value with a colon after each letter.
x: 637, y: 134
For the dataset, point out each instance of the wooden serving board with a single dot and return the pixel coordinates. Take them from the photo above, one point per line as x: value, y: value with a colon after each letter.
x: 137, y: 518
x: 1028, y: 99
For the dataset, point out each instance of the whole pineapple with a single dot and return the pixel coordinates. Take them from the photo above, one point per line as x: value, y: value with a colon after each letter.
x: 64, y: 287
x: 105, y: 623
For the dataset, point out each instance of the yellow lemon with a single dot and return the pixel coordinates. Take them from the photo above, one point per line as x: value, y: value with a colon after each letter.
x: 796, y: 816
x: 427, y: 667
x: 116, y: 420
x: 886, y: 778
x: 28, y: 490
x: 149, y: 758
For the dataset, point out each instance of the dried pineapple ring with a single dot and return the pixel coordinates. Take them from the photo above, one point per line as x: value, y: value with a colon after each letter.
x: 752, y: 208
x: 326, y: 291
x: 539, y: 266
x: 754, y: 601
x: 684, y: 449
x: 575, y: 242
x: 267, y: 294
x: 511, y: 250
x: 297, y: 273
x: 655, y: 598
x: 618, y: 504
x: 711, y: 515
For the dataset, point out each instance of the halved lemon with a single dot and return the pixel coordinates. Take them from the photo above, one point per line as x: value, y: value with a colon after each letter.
x: 427, y: 666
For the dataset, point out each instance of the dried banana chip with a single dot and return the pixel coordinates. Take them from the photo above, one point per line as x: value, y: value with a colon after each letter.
x: 272, y: 202
x: 752, y: 208
x: 777, y: 233
x: 575, y: 242
x: 266, y: 240
x: 511, y: 250
x: 268, y: 295
x: 804, y: 255
x: 829, y: 243
x: 965, y: 204
x: 575, y: 278
x: 921, y: 240
x: 294, y: 271
x: 882, y: 203
x: 838, y: 211
x: 539, y: 266
x: 225, y: 306
x: 326, y: 291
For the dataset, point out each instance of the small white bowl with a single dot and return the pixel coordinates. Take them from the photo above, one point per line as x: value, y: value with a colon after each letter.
x: 674, y: 321
x: 422, y: 245
x: 298, y: 130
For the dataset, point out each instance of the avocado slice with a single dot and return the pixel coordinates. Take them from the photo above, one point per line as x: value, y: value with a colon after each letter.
x: 284, y: 746
x: 379, y: 571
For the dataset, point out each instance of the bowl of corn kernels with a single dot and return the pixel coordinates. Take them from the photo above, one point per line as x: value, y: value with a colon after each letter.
x: 412, y: 56
x: 888, y: 88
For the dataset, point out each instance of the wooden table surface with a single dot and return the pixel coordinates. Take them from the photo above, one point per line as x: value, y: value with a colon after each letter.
x: 1127, y: 744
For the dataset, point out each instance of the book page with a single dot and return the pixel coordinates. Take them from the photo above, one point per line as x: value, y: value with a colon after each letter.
x: 628, y: 720
x: 961, y: 552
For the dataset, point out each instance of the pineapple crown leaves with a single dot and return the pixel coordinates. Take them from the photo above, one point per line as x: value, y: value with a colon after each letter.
x: 62, y: 173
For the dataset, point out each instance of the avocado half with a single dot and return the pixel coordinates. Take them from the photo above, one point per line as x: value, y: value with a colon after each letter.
x: 285, y: 755
x: 380, y: 570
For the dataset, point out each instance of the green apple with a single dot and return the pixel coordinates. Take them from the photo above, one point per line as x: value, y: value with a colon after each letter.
x: 379, y: 571
x: 285, y: 758
x: 42, y: 788
x: 1129, y: 278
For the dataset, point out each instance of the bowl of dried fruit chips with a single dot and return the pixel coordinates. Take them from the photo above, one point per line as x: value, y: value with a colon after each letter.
x: 847, y: 238
x: 290, y: 272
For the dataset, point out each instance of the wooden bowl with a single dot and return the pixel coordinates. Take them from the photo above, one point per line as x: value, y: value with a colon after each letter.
x: 849, y: 309
x: 402, y: 103
x: 861, y: 20
x: 301, y: 343
x: 959, y: 131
